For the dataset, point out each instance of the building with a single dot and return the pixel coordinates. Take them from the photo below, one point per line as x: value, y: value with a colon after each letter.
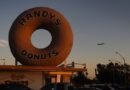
x: 35, y: 77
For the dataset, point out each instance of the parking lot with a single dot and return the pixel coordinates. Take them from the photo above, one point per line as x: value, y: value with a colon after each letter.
x: 62, y: 86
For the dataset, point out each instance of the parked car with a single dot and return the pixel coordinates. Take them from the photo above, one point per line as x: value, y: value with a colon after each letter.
x: 13, y: 87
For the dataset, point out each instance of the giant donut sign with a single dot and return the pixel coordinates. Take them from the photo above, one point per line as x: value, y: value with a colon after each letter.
x: 30, y: 21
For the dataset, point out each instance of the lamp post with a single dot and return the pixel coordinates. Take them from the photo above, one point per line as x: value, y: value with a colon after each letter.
x: 121, y: 57
x: 125, y: 71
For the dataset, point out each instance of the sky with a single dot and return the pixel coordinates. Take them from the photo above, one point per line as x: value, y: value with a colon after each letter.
x: 92, y: 22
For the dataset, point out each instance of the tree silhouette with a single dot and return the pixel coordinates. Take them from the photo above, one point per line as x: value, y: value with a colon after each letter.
x: 79, y: 79
x: 112, y: 73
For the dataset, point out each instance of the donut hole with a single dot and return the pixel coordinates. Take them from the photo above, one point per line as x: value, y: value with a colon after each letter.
x: 41, y: 38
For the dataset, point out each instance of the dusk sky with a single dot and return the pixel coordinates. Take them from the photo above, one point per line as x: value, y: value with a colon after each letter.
x: 92, y: 22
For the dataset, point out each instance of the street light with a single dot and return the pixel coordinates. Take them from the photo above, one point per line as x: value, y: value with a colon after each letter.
x: 121, y: 57
x: 125, y: 71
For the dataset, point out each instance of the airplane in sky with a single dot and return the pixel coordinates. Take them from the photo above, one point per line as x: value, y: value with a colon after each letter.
x: 100, y: 43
